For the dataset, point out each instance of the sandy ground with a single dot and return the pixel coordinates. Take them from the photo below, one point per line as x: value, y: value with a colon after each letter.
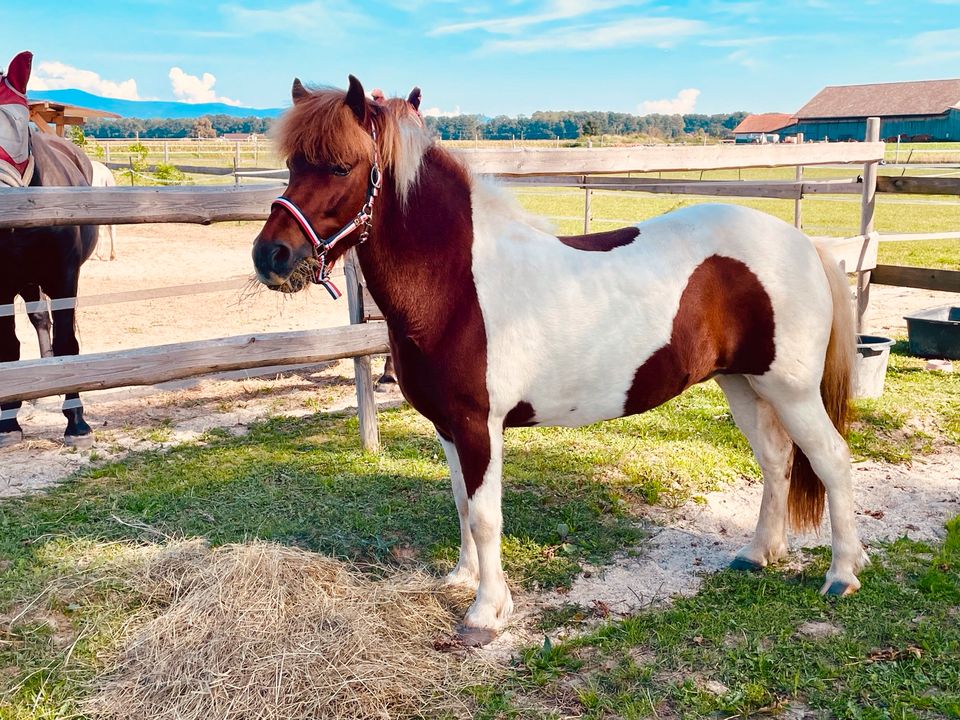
x: 893, y: 501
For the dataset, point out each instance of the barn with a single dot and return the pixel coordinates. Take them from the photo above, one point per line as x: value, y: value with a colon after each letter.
x: 764, y: 127
x: 917, y: 111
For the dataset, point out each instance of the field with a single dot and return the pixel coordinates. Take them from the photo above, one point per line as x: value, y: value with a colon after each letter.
x: 278, y: 458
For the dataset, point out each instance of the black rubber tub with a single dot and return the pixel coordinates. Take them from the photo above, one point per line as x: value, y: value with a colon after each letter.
x: 935, y: 333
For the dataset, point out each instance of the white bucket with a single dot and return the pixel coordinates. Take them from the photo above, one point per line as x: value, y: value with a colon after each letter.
x: 873, y: 353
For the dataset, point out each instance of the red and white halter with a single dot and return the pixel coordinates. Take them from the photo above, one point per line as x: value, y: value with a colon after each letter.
x: 363, y: 218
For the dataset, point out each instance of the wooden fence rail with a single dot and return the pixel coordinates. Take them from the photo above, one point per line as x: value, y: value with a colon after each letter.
x: 29, y: 379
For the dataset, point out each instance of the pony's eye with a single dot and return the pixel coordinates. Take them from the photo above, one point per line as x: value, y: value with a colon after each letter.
x: 340, y: 170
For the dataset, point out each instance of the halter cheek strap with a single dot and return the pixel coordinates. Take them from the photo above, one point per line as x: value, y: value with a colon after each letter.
x: 363, y: 219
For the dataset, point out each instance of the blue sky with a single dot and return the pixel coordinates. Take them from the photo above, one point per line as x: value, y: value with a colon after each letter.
x: 488, y: 57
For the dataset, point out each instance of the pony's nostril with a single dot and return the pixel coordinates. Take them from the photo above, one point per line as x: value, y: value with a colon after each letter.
x: 280, y: 255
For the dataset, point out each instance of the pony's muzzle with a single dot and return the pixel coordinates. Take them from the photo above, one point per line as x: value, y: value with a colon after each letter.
x: 275, y: 260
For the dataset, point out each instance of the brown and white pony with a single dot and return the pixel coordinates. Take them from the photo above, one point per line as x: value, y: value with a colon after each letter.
x: 494, y: 323
x: 44, y: 260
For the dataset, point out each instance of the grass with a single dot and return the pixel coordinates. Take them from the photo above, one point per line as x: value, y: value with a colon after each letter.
x: 571, y: 497
x: 740, y: 647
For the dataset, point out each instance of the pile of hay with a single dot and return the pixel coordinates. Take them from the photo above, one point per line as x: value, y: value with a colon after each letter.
x: 264, y: 631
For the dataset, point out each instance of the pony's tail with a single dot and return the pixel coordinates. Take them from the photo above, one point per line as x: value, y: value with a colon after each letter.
x: 805, y: 500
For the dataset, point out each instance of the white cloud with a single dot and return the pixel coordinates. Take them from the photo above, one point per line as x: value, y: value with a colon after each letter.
x: 933, y: 47
x: 193, y: 89
x: 663, y: 32
x: 683, y: 103
x: 437, y: 112
x: 60, y: 76
x: 555, y: 10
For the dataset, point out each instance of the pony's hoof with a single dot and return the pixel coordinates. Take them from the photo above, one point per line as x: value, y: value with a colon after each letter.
x: 80, y: 442
x: 9, y: 439
x: 839, y: 588
x: 475, y: 636
x: 386, y: 379
x: 745, y: 564
x: 462, y: 578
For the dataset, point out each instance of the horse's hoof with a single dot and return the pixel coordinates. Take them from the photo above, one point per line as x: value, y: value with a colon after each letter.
x: 742, y: 563
x: 80, y: 442
x: 387, y: 380
x: 839, y: 588
x: 9, y: 439
x: 475, y: 636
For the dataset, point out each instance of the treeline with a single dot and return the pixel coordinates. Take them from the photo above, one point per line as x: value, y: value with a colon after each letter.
x: 573, y: 125
x: 172, y: 127
x: 542, y: 125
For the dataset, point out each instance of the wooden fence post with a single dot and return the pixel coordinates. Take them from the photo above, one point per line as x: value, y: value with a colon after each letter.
x: 106, y: 151
x: 867, y: 209
x: 366, y: 401
x: 586, y: 209
x: 166, y: 152
x: 797, y: 207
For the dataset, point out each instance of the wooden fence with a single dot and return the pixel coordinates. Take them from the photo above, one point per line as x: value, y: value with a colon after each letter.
x: 588, y: 169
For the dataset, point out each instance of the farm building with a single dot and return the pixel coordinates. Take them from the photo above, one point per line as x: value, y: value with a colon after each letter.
x: 765, y: 127
x: 918, y: 111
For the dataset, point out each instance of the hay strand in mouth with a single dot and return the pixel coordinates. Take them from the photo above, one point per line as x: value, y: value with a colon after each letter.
x: 264, y: 631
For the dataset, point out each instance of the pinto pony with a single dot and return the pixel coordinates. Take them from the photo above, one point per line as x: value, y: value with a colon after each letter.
x: 494, y: 323
x: 45, y: 260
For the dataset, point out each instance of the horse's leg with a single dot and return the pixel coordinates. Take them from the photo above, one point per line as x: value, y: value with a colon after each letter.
x: 803, y: 415
x: 480, y: 450
x: 112, y: 231
x: 40, y: 318
x: 773, y: 448
x: 388, y: 374
x: 466, y: 572
x: 10, y: 431
x: 78, y: 433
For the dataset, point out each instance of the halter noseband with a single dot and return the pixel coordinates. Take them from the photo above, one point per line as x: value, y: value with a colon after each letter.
x: 363, y: 218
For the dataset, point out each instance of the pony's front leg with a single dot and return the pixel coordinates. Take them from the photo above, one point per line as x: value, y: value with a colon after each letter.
x: 467, y: 571
x: 480, y: 451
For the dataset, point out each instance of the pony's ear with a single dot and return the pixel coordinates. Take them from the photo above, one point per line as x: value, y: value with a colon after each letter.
x: 356, y: 100
x: 19, y: 71
x: 298, y: 91
x: 414, y: 98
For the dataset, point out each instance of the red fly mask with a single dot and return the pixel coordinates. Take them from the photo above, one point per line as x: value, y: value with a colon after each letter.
x: 16, y: 162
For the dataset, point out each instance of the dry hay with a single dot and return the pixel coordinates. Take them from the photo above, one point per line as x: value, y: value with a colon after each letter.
x: 264, y: 631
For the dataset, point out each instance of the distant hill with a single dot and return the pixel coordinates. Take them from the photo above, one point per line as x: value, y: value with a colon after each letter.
x: 151, y: 108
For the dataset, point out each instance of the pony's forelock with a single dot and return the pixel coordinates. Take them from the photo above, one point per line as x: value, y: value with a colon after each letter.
x: 323, y: 129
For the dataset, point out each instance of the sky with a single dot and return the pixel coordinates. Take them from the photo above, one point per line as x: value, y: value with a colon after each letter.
x: 492, y: 58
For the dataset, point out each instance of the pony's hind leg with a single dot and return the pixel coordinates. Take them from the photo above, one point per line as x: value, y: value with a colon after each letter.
x: 10, y: 431
x: 806, y: 420
x: 467, y: 570
x: 39, y: 314
x: 773, y: 448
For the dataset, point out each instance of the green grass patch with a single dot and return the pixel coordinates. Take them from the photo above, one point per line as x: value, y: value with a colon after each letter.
x: 743, y: 646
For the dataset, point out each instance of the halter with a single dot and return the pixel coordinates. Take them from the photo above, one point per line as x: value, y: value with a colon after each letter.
x: 363, y: 218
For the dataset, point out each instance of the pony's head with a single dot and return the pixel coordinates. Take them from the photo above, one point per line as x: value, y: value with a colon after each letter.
x: 338, y: 146
x: 15, y: 113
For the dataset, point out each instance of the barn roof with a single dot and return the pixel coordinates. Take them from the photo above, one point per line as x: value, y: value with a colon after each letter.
x: 764, y: 123
x: 924, y: 97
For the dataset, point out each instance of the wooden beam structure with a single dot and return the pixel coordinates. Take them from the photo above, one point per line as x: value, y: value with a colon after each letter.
x: 53, y: 117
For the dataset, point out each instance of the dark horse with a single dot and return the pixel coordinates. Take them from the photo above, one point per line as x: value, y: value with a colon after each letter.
x: 39, y: 261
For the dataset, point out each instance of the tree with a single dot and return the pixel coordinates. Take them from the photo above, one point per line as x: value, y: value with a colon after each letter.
x: 203, y: 128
